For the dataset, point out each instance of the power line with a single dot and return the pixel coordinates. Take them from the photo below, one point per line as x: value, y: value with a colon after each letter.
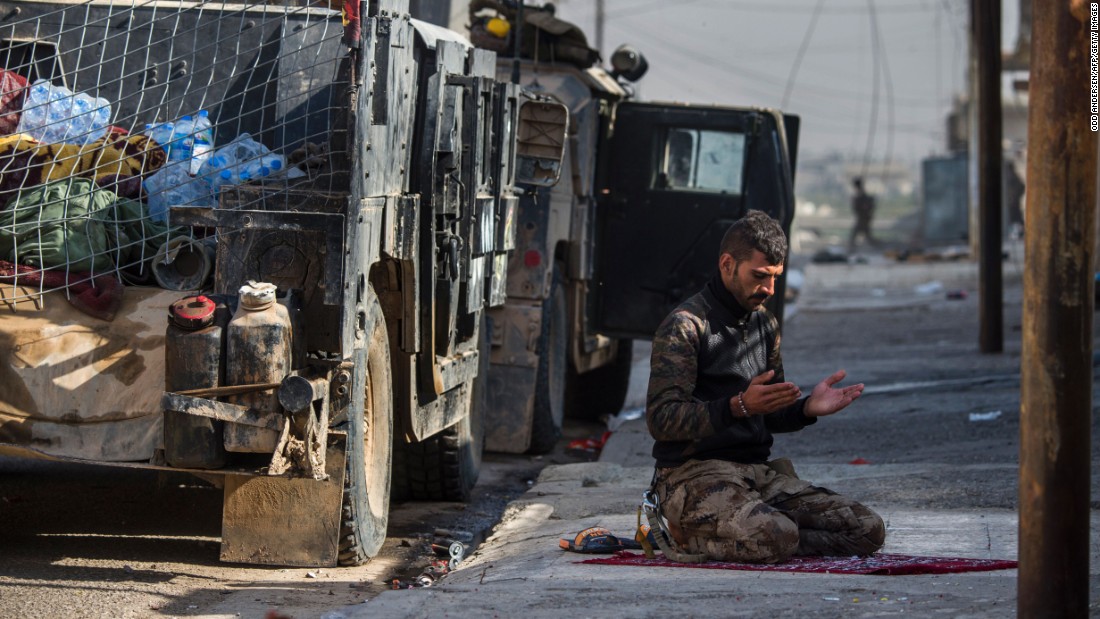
x: 889, y: 87
x: 874, y: 95
x: 801, y: 52
x: 760, y: 77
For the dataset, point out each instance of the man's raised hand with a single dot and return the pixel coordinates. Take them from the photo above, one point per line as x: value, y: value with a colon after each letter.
x: 826, y: 399
x: 760, y: 398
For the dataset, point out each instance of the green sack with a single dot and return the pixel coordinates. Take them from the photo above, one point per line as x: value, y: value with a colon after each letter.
x: 74, y: 224
x: 133, y: 236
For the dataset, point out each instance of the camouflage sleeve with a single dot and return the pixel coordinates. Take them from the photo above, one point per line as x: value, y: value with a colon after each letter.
x: 790, y: 419
x: 672, y: 412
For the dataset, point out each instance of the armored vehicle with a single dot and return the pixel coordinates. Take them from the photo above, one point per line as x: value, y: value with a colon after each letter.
x: 632, y: 229
x: 325, y: 196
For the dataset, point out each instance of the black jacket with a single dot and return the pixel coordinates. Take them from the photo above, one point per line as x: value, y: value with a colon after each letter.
x: 704, y: 353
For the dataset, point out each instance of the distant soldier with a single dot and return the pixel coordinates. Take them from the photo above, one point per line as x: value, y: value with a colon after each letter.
x: 1013, y: 192
x: 716, y: 395
x: 863, y: 207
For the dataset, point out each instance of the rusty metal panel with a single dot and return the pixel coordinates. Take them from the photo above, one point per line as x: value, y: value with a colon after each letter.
x: 515, y: 334
x: 363, y: 241
x: 509, y: 408
x: 483, y: 234
x: 457, y: 370
x: 506, y: 230
x: 443, y: 412
x: 223, y: 411
x: 475, y: 286
x: 498, y: 293
x: 482, y: 63
x: 402, y: 223
x: 384, y: 141
x: 279, y: 521
x: 512, y: 372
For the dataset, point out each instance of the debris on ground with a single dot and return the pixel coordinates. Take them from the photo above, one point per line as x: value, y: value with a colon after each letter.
x: 449, y: 549
x: 829, y: 255
x: 990, y: 416
x: 427, y: 578
x: 591, y: 446
x: 918, y: 255
x: 630, y: 414
x: 932, y: 287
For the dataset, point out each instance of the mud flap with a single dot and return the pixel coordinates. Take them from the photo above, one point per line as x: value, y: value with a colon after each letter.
x: 509, y: 410
x: 281, y: 521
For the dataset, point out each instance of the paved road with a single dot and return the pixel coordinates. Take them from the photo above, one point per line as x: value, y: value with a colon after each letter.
x: 932, y: 446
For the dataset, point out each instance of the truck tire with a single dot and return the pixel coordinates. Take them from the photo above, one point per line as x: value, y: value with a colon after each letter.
x: 549, y: 406
x: 370, y: 446
x: 602, y: 391
x: 445, y: 467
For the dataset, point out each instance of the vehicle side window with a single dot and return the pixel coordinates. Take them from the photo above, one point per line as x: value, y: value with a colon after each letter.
x: 700, y: 160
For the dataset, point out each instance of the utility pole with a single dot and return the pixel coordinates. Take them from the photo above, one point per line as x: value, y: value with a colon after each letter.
x: 1056, y: 360
x: 599, y: 27
x: 986, y: 20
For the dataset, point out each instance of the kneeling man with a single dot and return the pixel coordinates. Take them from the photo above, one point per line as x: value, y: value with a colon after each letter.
x: 716, y: 395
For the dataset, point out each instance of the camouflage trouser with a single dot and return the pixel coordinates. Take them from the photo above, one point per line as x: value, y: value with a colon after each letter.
x: 752, y: 513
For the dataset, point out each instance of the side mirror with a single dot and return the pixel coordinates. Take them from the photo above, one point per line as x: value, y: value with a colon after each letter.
x: 540, y: 142
x: 628, y: 63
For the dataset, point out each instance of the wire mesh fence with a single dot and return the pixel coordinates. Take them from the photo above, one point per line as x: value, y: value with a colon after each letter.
x: 114, y: 114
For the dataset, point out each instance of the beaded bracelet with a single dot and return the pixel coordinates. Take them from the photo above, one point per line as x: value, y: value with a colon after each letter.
x: 741, y: 403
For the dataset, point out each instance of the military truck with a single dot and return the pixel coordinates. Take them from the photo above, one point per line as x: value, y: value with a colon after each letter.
x: 353, y: 199
x: 631, y: 230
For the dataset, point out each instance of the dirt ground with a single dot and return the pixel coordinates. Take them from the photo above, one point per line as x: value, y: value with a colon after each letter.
x: 102, y: 542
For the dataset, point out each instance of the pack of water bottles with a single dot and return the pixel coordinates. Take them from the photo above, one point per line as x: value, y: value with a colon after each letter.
x: 57, y: 115
x: 242, y: 160
x: 196, y: 170
x: 189, y: 139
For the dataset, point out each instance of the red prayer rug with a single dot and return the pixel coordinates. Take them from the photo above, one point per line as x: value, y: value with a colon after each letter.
x: 878, y: 564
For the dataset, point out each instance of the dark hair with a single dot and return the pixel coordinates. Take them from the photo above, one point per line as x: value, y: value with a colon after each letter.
x: 756, y: 230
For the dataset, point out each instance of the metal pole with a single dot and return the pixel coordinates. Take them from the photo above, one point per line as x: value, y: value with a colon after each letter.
x: 987, y: 36
x: 1056, y: 359
x: 517, y: 40
x: 599, y: 26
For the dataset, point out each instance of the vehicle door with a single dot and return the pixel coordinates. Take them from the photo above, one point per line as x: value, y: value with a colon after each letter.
x: 672, y: 179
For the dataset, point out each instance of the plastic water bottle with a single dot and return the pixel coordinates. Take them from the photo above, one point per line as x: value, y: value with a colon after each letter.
x: 160, y: 133
x: 183, y: 139
x: 101, y: 116
x: 218, y: 170
x: 267, y: 165
x: 172, y: 186
x: 203, y: 141
x: 35, y: 108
